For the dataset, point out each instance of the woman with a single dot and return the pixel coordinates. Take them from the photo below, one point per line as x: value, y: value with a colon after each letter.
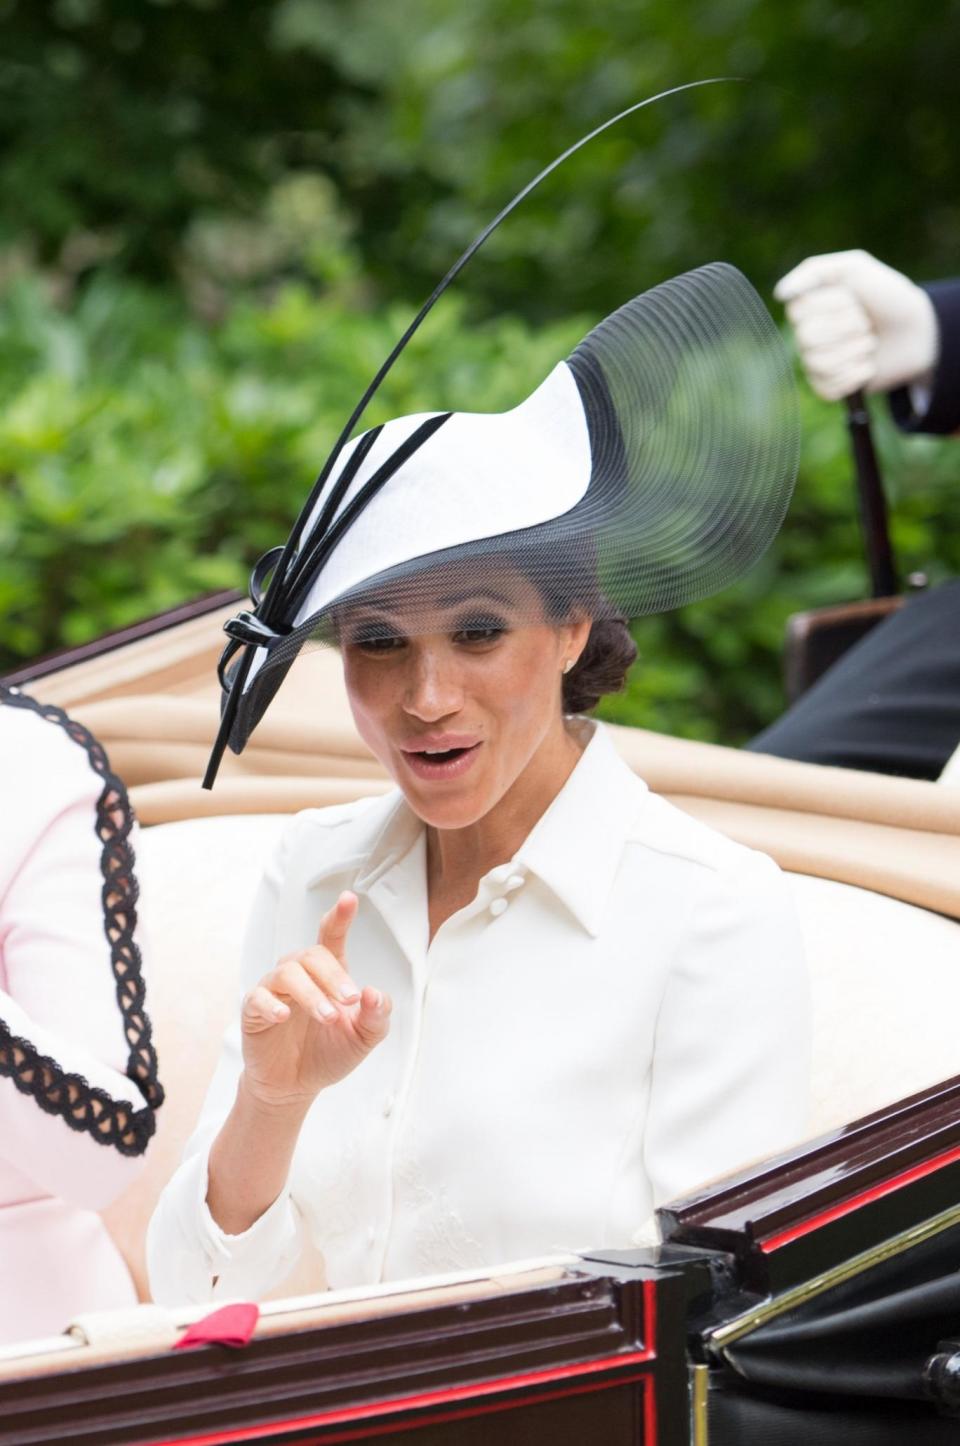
x: 517, y: 1003
x: 78, y: 1073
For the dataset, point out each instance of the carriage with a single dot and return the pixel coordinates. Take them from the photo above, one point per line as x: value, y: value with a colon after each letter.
x: 810, y: 1298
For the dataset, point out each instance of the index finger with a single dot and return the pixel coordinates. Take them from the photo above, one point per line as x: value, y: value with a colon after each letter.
x: 832, y: 268
x: 335, y: 925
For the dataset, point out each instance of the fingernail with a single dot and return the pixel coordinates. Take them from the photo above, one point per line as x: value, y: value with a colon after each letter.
x: 379, y: 1003
x: 325, y: 1010
x: 279, y: 1011
x: 348, y: 991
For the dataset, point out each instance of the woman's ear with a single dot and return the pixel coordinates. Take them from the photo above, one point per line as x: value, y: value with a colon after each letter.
x: 576, y: 633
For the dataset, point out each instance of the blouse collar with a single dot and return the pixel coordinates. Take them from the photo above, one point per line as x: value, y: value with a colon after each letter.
x: 574, y: 849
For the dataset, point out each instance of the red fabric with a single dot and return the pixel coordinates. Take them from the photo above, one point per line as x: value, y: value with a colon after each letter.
x: 231, y: 1325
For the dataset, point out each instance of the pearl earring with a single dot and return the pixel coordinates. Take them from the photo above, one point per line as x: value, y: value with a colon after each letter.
x: 568, y: 665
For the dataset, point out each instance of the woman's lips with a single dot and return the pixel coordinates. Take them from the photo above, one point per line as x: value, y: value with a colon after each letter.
x: 441, y: 763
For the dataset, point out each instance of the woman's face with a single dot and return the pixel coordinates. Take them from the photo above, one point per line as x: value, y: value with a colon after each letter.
x: 459, y: 713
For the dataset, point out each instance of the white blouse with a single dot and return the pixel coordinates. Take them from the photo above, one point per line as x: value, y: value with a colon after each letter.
x: 620, y: 1015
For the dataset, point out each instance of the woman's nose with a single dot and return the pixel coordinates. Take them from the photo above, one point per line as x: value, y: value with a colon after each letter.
x: 433, y: 689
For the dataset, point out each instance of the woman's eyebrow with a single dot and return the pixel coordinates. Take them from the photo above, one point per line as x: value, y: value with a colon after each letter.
x: 387, y: 616
x: 364, y: 619
x: 481, y: 594
x: 365, y: 610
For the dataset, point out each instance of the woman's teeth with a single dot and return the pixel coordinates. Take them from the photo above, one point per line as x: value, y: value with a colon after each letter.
x: 442, y: 763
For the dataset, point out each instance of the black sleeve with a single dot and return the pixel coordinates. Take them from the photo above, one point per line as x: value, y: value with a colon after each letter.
x: 943, y: 410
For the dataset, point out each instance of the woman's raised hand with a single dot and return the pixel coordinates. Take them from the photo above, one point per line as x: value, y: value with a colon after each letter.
x: 306, y: 1024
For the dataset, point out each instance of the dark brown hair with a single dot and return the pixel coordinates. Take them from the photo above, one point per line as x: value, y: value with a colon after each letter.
x: 601, y: 667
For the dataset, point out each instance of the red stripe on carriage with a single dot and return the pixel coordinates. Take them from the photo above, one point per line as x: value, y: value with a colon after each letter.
x: 846, y: 1207
x: 649, y: 1386
x: 346, y: 1414
x: 445, y: 1418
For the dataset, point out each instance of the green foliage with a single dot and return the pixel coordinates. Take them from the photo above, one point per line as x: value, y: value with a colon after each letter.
x: 217, y: 217
x: 840, y: 133
x: 123, y: 127
x: 120, y: 123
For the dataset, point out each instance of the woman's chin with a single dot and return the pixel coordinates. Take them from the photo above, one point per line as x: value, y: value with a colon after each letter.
x: 458, y: 810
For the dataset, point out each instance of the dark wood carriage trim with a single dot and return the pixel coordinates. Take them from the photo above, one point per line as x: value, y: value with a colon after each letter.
x: 611, y: 1337
x: 601, y: 1339
x: 812, y: 1208
x: 404, y: 1414
x: 818, y: 638
x: 854, y: 1203
x: 120, y: 637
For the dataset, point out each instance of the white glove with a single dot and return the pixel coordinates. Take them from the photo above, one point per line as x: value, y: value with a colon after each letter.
x: 859, y: 323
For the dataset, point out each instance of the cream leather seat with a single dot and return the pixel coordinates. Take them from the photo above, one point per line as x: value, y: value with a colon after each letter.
x: 886, y: 992
x: 196, y: 882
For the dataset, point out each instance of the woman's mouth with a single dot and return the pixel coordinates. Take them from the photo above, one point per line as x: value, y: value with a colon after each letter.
x: 437, y: 762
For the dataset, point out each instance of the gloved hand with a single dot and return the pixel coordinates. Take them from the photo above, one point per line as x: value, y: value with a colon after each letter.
x: 859, y: 324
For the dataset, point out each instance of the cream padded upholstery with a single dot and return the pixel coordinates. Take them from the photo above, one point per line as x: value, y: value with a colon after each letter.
x: 886, y: 995
x: 196, y: 881
x: 885, y: 977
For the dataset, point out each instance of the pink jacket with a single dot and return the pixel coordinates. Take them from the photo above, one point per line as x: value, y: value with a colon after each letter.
x: 78, y: 1075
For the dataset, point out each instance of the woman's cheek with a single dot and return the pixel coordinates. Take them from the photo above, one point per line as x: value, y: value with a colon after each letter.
x: 365, y: 694
x: 524, y: 695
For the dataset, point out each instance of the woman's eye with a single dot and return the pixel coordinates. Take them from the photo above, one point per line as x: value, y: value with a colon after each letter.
x: 480, y: 630
x: 376, y: 640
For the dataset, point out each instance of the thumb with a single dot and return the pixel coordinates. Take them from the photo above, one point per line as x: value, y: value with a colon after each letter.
x: 335, y: 925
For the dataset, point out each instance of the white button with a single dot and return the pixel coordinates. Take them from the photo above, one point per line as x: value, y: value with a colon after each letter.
x: 500, y: 873
x: 389, y: 1101
x: 498, y: 906
x: 516, y: 881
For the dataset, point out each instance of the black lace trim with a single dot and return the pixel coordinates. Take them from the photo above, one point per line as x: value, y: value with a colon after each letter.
x: 83, y: 1106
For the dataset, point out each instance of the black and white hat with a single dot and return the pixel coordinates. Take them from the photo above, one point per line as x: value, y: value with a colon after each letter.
x: 652, y: 467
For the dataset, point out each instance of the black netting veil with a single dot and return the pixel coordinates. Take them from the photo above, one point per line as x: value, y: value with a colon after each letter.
x: 656, y: 463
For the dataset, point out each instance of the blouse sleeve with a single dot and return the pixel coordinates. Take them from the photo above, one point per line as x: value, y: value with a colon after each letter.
x: 189, y: 1258
x: 78, y: 1076
x: 731, y: 1058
